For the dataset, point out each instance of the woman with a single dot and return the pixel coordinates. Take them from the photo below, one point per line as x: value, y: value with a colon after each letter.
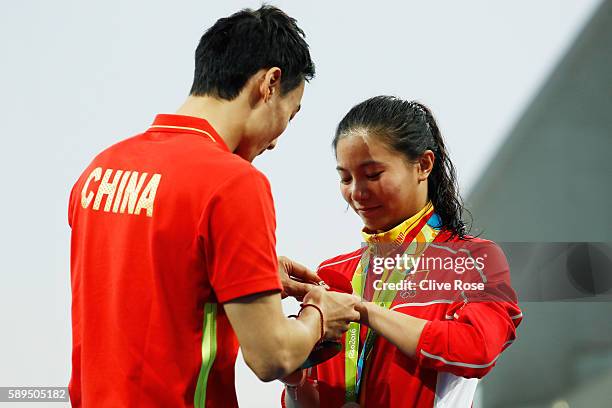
x: 424, y: 339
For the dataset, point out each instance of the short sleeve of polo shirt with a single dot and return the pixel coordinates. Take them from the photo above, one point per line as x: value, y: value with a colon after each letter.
x: 238, y: 229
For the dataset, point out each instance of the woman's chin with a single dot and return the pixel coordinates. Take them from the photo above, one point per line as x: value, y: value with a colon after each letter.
x: 372, y: 227
x: 376, y: 226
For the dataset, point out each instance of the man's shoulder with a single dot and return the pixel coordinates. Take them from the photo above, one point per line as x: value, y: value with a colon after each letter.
x: 115, y: 147
x: 197, y: 156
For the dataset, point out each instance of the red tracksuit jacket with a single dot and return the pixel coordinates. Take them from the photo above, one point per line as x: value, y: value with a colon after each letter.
x: 465, y: 336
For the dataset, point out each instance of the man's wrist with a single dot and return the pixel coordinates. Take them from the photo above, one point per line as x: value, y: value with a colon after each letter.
x: 295, y: 379
x: 312, y: 319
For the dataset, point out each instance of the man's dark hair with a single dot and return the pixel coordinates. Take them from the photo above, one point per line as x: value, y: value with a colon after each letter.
x: 236, y: 47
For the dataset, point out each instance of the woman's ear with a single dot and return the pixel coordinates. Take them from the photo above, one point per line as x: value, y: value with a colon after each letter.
x: 425, y: 164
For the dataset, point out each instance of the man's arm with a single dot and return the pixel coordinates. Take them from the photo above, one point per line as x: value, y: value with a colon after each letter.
x: 273, y: 345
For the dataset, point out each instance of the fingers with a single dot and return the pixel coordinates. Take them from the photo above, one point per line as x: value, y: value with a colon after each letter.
x: 336, y: 331
x: 360, y: 307
x: 355, y: 316
x: 287, y: 273
x: 314, y: 294
x: 296, y: 289
x: 297, y: 270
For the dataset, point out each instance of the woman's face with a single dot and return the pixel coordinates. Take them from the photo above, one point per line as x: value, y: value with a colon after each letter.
x: 381, y: 185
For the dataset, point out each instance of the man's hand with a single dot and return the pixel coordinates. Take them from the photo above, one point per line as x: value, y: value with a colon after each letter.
x: 339, y: 309
x: 297, y: 280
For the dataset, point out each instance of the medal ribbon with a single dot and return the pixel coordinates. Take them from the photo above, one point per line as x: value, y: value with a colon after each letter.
x: 355, y: 360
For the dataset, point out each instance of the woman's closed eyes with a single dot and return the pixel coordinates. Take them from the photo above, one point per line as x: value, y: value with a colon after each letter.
x: 371, y: 177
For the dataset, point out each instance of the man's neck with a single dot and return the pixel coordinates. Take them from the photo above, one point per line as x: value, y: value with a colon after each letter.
x: 220, y: 114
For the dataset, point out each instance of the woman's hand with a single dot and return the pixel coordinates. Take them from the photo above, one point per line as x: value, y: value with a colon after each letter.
x: 363, y: 309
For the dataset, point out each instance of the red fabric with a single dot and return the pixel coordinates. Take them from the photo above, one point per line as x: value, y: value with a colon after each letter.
x: 141, y: 275
x: 283, y: 405
x: 473, y: 333
x: 336, y: 281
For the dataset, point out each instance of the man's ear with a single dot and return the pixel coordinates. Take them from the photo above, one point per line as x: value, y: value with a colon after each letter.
x: 271, y: 83
x: 425, y: 164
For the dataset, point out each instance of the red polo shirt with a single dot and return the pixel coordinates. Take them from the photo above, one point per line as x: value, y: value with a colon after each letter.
x: 166, y: 226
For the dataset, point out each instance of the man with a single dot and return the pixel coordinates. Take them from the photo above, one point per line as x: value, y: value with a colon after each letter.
x: 173, y: 261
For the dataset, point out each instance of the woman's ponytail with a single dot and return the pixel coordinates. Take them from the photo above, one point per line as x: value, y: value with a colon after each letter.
x: 442, y: 182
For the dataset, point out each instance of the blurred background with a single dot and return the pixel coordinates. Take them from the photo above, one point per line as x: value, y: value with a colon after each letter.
x: 522, y: 91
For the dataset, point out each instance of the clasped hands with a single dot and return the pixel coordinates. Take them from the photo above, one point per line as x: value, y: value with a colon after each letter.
x: 339, y: 309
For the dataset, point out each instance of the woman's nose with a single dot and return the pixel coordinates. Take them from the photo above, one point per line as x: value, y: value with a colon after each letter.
x: 360, y: 192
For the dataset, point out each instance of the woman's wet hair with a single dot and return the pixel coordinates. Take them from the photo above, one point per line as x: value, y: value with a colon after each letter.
x: 409, y: 128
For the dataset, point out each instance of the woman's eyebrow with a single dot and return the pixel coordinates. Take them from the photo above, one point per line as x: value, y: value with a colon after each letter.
x: 369, y: 163
x: 362, y: 164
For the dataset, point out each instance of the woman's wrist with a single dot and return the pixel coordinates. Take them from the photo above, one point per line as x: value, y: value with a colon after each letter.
x: 400, y: 329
